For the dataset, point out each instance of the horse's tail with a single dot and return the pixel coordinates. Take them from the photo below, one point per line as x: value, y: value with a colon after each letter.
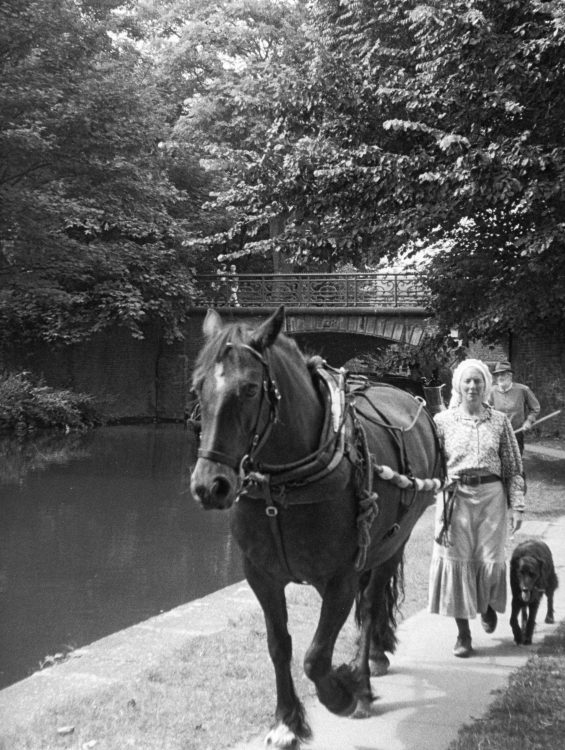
x: 382, y: 589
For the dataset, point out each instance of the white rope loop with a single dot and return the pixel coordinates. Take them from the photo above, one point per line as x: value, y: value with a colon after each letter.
x: 404, y: 482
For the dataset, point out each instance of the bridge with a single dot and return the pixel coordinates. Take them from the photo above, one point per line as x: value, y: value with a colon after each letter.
x: 386, y: 306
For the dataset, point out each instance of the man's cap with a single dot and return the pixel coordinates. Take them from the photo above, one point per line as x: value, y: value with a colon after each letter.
x: 502, y: 367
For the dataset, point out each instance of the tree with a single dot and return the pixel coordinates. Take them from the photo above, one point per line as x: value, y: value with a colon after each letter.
x: 408, y: 121
x: 87, y: 233
x: 242, y: 54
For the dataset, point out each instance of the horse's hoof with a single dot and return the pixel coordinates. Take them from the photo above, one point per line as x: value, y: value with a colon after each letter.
x: 362, y: 710
x: 549, y: 620
x: 348, y: 711
x: 282, y: 738
x: 379, y: 667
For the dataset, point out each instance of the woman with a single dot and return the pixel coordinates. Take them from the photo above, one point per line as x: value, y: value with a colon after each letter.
x: 468, y: 569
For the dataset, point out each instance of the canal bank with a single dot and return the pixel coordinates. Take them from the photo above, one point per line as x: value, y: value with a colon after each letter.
x: 422, y: 693
x: 425, y: 698
x: 120, y: 657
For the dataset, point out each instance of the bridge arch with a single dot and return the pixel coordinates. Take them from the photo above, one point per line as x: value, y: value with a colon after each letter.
x: 396, y: 325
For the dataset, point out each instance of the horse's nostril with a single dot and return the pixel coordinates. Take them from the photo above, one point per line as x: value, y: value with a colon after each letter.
x: 200, y: 492
x: 221, y: 488
x: 214, y: 493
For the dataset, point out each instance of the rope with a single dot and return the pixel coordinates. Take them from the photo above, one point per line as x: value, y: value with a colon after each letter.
x: 405, y: 482
x: 369, y: 510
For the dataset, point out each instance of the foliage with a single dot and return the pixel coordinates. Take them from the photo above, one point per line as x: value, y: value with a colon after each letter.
x: 406, y: 119
x: 87, y: 233
x: 26, y: 406
x: 139, y: 140
x: 249, y: 52
x: 432, y: 359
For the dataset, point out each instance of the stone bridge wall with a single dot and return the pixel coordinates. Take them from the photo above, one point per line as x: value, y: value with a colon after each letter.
x: 150, y: 379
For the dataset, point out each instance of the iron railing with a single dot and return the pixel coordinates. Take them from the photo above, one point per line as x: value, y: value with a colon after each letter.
x: 311, y: 290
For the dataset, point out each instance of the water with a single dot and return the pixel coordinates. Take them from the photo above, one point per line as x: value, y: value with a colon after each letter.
x: 97, y: 533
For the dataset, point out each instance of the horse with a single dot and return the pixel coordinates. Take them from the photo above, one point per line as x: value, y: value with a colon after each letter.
x: 292, y: 449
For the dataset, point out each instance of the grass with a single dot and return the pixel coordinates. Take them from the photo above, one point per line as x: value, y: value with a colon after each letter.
x: 210, y: 694
x: 530, y: 713
x: 219, y: 690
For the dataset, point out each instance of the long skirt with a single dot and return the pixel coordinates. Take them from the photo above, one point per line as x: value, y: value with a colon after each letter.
x: 470, y: 574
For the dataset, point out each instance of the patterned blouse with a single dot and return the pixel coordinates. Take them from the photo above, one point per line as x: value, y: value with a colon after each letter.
x: 486, y: 445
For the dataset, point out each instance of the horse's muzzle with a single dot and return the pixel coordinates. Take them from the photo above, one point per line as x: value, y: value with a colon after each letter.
x: 213, y: 485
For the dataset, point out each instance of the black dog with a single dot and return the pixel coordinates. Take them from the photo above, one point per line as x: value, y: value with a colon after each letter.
x: 532, y: 574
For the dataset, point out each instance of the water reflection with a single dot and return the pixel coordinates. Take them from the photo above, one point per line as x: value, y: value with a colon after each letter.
x: 98, y: 534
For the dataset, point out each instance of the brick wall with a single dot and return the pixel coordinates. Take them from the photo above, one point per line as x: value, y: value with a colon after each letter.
x: 539, y: 362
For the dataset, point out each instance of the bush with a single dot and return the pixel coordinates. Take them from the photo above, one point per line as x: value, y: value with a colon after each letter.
x: 26, y: 406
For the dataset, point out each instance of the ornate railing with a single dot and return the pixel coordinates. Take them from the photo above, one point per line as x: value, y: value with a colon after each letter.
x: 311, y: 290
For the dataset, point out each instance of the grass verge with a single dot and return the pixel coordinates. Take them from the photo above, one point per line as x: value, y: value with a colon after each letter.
x: 530, y: 713
x: 215, y: 691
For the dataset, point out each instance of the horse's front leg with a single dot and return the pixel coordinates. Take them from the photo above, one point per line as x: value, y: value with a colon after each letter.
x: 337, y: 689
x: 290, y: 726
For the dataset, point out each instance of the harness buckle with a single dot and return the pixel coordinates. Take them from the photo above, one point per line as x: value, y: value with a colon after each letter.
x: 271, y: 511
x: 244, y: 466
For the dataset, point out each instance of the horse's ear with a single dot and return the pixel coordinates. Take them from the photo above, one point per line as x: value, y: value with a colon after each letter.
x: 212, y: 324
x: 264, y: 336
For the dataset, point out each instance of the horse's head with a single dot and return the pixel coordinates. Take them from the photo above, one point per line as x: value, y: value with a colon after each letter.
x: 238, y: 401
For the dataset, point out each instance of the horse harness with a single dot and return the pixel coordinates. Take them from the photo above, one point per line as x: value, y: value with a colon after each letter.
x: 269, y: 395
x: 274, y: 483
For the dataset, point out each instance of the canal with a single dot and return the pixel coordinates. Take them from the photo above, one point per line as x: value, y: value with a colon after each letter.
x: 99, y: 532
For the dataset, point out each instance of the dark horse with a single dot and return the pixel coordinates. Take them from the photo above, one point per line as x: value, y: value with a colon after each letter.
x: 296, y: 454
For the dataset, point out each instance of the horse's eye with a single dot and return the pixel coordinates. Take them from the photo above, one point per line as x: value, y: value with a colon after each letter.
x: 250, y: 390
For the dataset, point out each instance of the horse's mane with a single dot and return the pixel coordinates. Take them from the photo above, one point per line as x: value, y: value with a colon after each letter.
x: 236, y: 333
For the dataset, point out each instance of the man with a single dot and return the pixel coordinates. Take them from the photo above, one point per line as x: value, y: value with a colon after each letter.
x: 515, y: 400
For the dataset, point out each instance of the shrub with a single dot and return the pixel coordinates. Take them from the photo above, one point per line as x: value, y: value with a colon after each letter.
x: 26, y: 406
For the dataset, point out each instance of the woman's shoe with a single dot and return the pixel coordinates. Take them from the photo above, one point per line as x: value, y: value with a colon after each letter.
x: 489, y: 620
x: 463, y: 647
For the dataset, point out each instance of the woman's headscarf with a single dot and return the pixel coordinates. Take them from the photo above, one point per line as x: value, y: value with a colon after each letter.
x: 458, y: 373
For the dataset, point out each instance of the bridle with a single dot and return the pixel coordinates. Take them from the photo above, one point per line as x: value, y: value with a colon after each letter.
x: 271, y: 396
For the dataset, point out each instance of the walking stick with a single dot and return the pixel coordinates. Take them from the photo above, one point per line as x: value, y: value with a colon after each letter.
x: 547, y: 416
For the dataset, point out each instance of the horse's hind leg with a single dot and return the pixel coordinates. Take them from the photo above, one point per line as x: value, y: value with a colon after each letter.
x: 387, y: 580
x: 337, y: 689
x: 360, y: 664
x: 290, y: 726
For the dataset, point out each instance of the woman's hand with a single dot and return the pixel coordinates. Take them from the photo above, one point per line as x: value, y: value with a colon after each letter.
x: 517, y: 518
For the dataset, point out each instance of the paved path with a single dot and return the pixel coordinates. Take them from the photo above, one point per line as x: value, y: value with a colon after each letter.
x: 428, y: 693
x: 545, y: 450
